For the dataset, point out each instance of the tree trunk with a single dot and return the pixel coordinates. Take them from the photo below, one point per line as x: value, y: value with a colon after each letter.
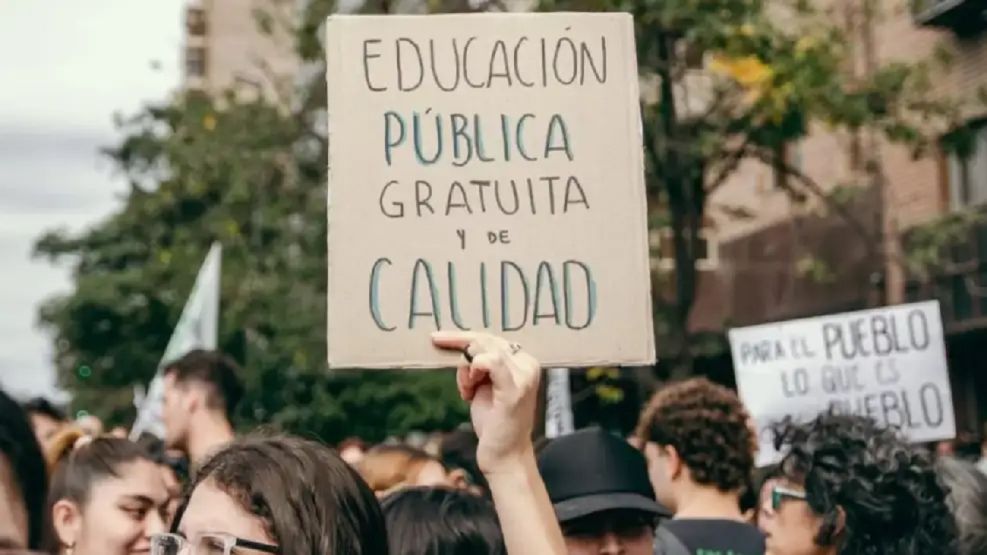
x: 682, y: 203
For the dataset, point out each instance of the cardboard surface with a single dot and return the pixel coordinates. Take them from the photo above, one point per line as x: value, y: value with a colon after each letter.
x: 486, y: 173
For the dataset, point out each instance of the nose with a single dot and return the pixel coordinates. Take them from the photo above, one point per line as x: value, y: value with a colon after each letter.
x: 154, y: 524
x: 611, y: 545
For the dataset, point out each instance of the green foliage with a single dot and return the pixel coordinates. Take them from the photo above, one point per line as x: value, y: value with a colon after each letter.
x: 926, y: 247
x: 252, y: 176
x: 814, y: 269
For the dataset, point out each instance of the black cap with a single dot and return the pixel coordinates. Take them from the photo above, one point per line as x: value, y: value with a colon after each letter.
x: 591, y: 471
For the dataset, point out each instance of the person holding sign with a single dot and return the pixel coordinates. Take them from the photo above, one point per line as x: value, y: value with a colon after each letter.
x: 500, y: 381
x: 847, y: 486
x: 247, y: 496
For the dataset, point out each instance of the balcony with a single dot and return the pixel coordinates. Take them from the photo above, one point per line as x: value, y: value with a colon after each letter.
x: 965, y: 17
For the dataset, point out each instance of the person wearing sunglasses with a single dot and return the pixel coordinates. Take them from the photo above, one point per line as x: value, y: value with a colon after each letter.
x: 281, y: 495
x: 847, y: 486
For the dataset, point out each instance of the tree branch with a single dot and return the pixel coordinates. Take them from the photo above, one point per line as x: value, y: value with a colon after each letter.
x: 816, y: 190
x: 731, y: 162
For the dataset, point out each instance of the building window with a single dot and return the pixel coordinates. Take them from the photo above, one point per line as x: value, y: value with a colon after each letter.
x: 662, y: 246
x: 195, y: 61
x: 968, y: 176
x: 195, y: 21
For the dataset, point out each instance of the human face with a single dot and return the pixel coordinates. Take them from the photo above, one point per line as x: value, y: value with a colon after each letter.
x: 45, y: 428
x: 121, y: 514
x: 790, y: 526
x: 610, y: 533
x: 174, y: 413
x: 13, y: 514
x: 211, y: 510
x: 660, y: 473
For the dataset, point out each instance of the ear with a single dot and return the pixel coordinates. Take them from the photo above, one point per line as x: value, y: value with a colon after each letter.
x: 67, y: 521
x: 674, y: 466
x: 192, y: 400
x: 458, y: 479
x: 840, y: 525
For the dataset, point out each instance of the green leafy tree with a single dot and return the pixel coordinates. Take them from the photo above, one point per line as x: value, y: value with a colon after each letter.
x: 250, y: 174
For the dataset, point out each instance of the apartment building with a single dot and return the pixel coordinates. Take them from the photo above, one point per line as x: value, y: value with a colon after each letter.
x: 241, y: 45
x: 786, y: 260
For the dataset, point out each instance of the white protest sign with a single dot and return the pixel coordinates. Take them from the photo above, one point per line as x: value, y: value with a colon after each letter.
x: 486, y: 173
x: 888, y: 364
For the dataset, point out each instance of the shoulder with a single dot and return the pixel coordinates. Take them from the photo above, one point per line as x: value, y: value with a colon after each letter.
x: 698, y: 533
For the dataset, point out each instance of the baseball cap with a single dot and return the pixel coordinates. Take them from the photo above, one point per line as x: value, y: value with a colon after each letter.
x: 591, y: 471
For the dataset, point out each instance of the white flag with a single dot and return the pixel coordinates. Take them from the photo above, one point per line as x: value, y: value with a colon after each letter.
x: 197, y: 328
x: 558, y: 405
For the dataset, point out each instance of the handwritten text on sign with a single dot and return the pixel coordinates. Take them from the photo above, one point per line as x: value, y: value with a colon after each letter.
x: 888, y: 364
x: 486, y: 174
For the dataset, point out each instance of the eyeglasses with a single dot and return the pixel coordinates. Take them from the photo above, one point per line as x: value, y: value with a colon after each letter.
x: 215, y: 543
x: 779, y: 494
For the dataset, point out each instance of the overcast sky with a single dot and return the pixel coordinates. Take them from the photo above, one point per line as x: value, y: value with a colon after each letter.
x: 66, y: 66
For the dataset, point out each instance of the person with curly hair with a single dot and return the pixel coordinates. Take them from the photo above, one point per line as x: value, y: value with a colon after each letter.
x: 700, y: 450
x: 848, y: 486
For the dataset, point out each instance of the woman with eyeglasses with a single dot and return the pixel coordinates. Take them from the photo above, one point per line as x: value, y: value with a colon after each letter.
x: 107, y: 497
x: 296, y: 497
x: 847, y: 486
x: 276, y: 495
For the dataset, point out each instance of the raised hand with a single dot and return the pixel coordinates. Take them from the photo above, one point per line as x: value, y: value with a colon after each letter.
x: 500, y: 381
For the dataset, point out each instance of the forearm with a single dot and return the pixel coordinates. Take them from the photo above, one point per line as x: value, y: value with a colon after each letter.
x: 524, y: 509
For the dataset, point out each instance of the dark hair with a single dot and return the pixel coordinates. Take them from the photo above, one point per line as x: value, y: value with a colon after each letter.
x: 458, y: 450
x: 157, y: 451
x: 440, y: 521
x: 311, y: 502
x: 22, y: 454
x: 42, y: 406
x: 214, y: 369
x: 968, y: 502
x: 889, y: 492
x: 101, y: 458
x: 708, y: 427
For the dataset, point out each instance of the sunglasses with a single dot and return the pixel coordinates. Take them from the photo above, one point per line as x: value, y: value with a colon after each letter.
x: 780, y: 493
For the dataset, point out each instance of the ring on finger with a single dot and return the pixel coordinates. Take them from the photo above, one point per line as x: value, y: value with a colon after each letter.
x: 469, y: 355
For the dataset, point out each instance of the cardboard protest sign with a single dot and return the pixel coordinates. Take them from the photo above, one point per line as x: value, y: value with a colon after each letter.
x: 888, y: 364
x: 486, y: 173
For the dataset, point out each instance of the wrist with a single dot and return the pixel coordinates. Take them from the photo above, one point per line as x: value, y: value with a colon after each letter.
x: 518, y: 462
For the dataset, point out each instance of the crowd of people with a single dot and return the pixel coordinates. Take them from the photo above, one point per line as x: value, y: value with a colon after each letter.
x: 685, y: 483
